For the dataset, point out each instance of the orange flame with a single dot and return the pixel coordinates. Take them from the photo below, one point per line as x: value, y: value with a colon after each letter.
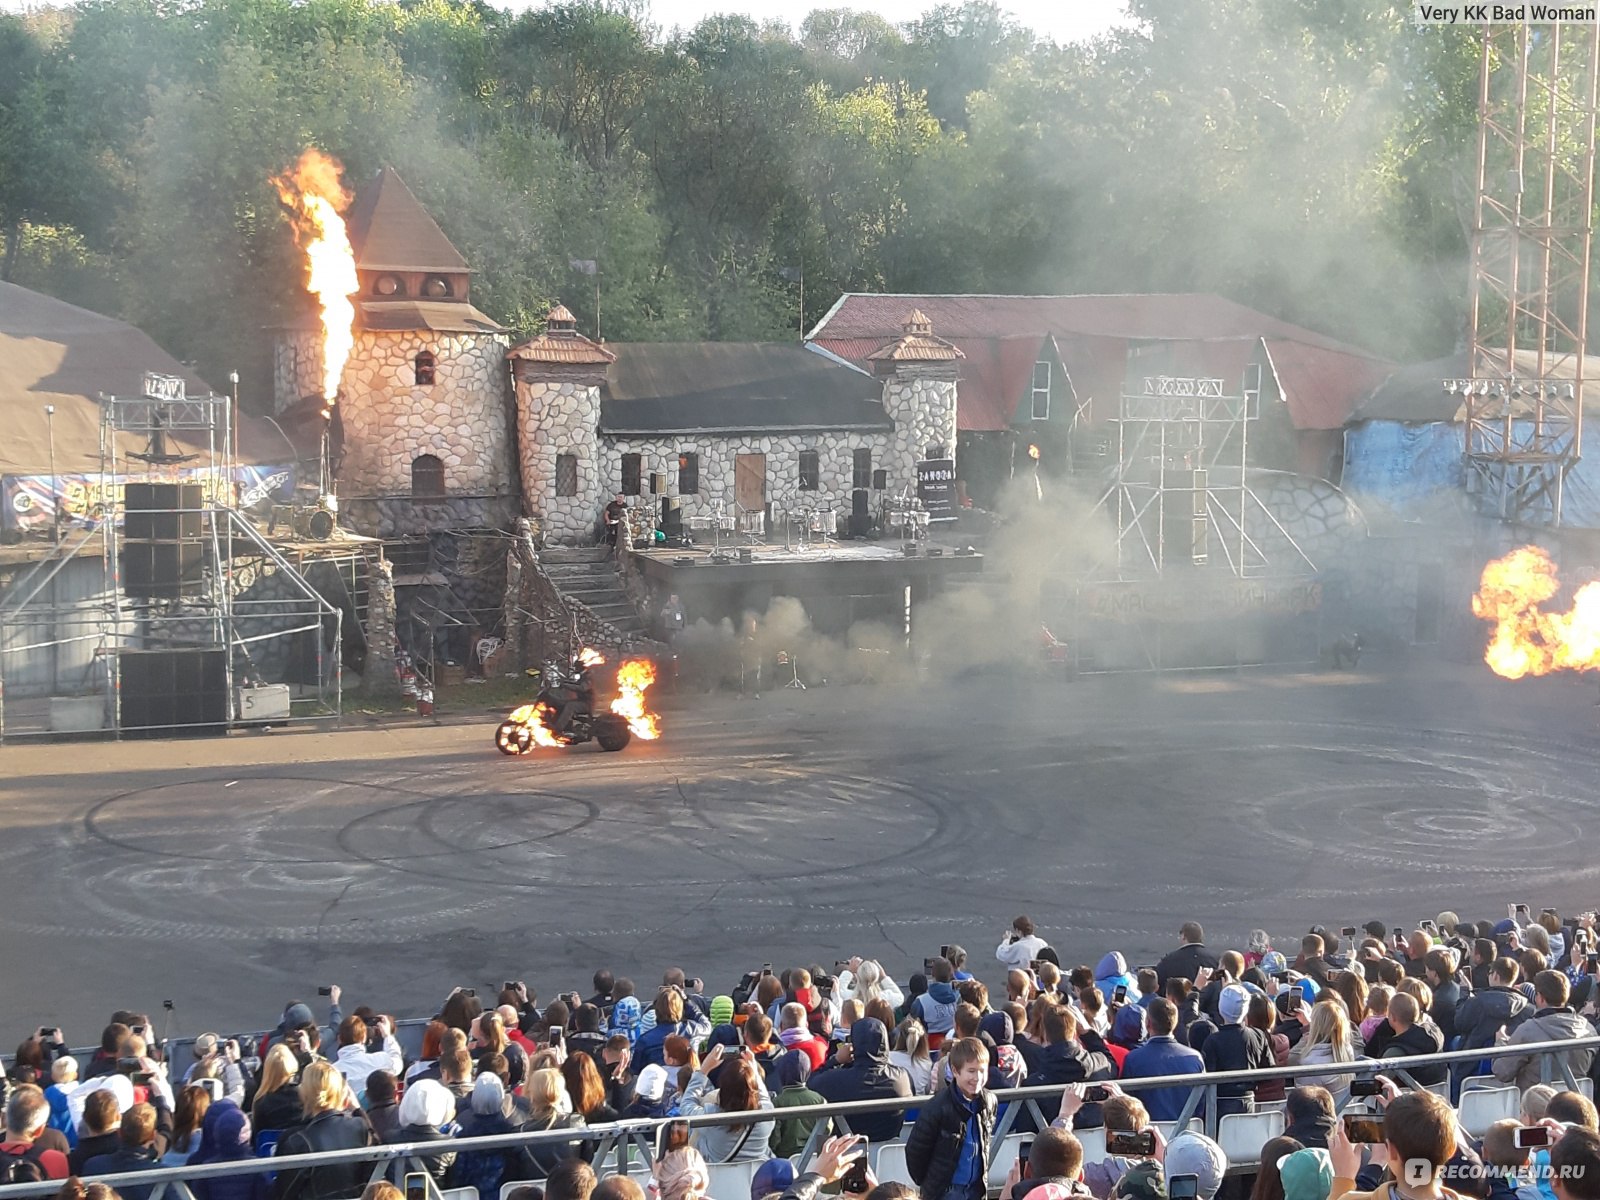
x: 533, y: 718
x: 1528, y: 640
x: 1033, y: 452
x: 591, y: 657
x: 634, y: 678
x: 315, y: 193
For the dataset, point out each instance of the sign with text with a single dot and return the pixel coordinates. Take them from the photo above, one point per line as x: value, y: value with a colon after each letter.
x: 31, y: 501
x: 163, y: 387
x: 936, y: 487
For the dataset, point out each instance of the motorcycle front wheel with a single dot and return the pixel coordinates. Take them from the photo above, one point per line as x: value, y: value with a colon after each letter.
x: 512, y: 737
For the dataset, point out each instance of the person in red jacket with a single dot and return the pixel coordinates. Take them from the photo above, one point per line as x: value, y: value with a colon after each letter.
x: 794, y: 1033
x: 27, y: 1113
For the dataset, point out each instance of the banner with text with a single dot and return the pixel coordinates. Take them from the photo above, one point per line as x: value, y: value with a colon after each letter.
x: 32, y: 501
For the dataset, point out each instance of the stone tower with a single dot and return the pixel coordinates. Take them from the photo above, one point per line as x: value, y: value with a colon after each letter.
x: 919, y: 394
x: 421, y: 434
x: 558, y: 376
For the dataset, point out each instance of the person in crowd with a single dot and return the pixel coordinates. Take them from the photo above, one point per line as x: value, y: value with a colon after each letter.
x: 1162, y: 1054
x: 1055, y: 1158
x: 144, y: 1138
x: 1305, y: 1174
x: 1575, y: 1163
x: 329, y: 1124
x: 911, y: 1055
x: 455, y: 1073
x: 1269, y: 1179
x: 1309, y: 1116
x: 63, y: 1081
x: 1122, y: 1114
x: 102, y: 1118
x: 490, y: 1035
x: 353, y: 1058
x: 863, y: 1072
x: 1510, y: 1178
x: 588, y: 1035
x: 1326, y: 1040
x: 756, y: 1036
x: 948, y: 1151
x: 1007, y: 1068
x: 1261, y: 1014
x: 1063, y: 1059
x: 1484, y: 952
x: 298, y: 1018
x: 1419, y: 1131
x: 550, y: 1107
x: 605, y: 983
x: 1377, y: 1010
x: 1439, y: 968
x: 1191, y: 955
x: 793, y: 1071
x: 587, y: 1090
x: 1414, y: 1033
x: 573, y: 1179
x: 739, y: 1089
x: 681, y: 1175
x: 487, y: 1116
x: 1020, y: 946
x: 277, y: 1105
x: 381, y: 1105
x: 193, y: 1103
x: 1552, y: 1021
x: 22, y: 1153
x: 1236, y: 1047
x: 795, y: 1033
x: 651, y: 1044
x: 427, y: 1114
x: 866, y: 981
x: 936, y: 1008
x: 219, y: 1059
x: 1111, y: 973
x: 1192, y: 1153
x: 225, y: 1138
x: 617, y: 1187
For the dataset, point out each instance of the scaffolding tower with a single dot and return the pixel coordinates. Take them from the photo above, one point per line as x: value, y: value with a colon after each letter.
x: 1523, y: 402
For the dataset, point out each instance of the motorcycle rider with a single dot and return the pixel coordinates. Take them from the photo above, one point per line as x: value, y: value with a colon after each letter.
x: 577, y: 692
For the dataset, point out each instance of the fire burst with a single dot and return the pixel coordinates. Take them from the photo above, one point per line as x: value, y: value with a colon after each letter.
x: 1528, y: 640
x: 634, y: 678
x: 313, y: 191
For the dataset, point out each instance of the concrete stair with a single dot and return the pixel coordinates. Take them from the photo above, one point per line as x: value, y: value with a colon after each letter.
x: 588, y: 575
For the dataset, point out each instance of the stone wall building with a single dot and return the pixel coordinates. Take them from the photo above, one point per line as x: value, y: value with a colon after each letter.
x: 420, y: 438
x: 723, y: 429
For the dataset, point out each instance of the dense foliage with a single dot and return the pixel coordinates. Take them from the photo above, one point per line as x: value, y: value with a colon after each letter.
x: 1311, y: 158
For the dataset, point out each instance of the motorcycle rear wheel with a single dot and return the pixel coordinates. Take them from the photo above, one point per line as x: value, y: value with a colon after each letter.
x: 613, y: 734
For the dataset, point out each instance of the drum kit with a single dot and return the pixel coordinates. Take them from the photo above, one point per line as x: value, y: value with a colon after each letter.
x: 906, y: 515
x: 815, y: 526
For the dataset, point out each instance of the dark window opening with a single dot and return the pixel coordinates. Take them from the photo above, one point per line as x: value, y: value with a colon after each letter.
x: 630, y: 474
x: 935, y: 450
x: 425, y: 365
x: 436, y: 287
x: 810, y: 470
x: 566, y: 474
x: 689, y: 473
x: 427, y: 477
x: 861, y: 469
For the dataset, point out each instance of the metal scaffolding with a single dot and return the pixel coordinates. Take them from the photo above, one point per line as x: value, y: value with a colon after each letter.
x: 1530, y: 266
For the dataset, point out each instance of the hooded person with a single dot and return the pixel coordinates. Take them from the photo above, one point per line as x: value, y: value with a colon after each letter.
x: 1006, y: 1066
x: 626, y: 1018
x: 773, y: 1178
x: 1111, y: 972
x: 1128, y: 1027
x: 225, y: 1137
x: 721, y: 1011
x: 868, y: 1075
x: 1306, y: 1175
x: 791, y: 1073
x: 427, y: 1114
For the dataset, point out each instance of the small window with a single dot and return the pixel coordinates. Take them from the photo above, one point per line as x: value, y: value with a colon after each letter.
x: 566, y: 474
x: 861, y: 469
x: 689, y: 473
x: 630, y: 474
x: 810, y: 470
x: 437, y: 287
x: 389, y: 285
x: 1252, y: 390
x: 424, y: 366
x: 427, y: 478
x: 1041, y: 391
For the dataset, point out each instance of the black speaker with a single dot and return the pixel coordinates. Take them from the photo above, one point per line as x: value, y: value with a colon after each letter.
x: 174, y: 693
x: 163, y: 512
x: 658, y: 483
x: 880, y: 479
x: 671, y: 516
x: 163, y: 570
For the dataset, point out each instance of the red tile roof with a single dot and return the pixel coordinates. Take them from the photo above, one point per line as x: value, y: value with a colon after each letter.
x: 1324, y: 379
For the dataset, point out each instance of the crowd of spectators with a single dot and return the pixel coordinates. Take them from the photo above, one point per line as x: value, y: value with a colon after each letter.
x: 941, y: 1042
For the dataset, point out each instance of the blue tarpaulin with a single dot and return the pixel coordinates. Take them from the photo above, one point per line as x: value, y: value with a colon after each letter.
x: 1413, y: 469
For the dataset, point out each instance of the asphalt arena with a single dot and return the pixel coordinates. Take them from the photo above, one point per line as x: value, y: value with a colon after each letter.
x: 400, y: 858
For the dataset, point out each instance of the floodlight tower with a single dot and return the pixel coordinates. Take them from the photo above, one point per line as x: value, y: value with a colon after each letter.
x: 1530, y: 266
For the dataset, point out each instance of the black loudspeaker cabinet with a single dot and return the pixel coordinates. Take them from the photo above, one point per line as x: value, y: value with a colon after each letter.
x: 163, y: 570
x: 174, y: 693
x: 880, y: 479
x: 163, y: 512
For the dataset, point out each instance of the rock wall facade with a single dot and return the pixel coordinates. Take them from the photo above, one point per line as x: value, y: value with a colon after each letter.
x: 558, y: 414
x: 921, y: 401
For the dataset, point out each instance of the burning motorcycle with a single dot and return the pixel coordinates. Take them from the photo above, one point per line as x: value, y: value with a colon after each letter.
x: 565, y: 712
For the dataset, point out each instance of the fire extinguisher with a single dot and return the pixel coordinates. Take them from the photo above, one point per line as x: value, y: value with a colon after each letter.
x: 405, y: 674
x: 425, y: 702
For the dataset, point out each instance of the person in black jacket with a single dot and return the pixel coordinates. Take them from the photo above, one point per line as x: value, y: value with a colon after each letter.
x: 1439, y: 972
x: 1236, y: 1047
x: 330, y: 1125
x: 1482, y: 1015
x: 865, y: 1073
x: 1309, y: 1116
x: 1189, y: 957
x: 144, y: 1134
x: 1062, y: 1060
x: 947, y: 1153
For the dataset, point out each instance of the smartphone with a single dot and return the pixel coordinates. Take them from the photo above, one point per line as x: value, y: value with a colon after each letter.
x: 1181, y: 1187
x: 555, y: 1037
x: 1365, y: 1087
x: 213, y: 1087
x: 1531, y: 1137
x: 854, y: 1180
x: 127, y: 1064
x: 1522, y: 912
x: 328, y: 991
x: 766, y: 968
x: 944, y: 951
x: 1348, y: 931
x: 140, y: 1078
x: 1399, y: 933
x: 1023, y: 1152
x: 417, y: 1185
x: 1430, y: 927
x: 49, y: 1031
x: 1293, y: 1002
x: 674, y: 1135
x: 1129, y: 1144
x: 1096, y: 1094
x: 840, y: 965
x: 473, y: 992
x: 509, y: 985
x: 1363, y: 1129
x: 1119, y: 995
x: 927, y: 965
x: 1282, y: 976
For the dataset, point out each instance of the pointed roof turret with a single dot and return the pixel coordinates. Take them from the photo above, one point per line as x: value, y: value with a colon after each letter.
x: 391, y: 231
x: 917, y: 344
x: 561, y: 343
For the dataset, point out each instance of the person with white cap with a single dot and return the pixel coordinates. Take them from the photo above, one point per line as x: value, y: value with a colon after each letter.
x: 1236, y: 1047
x: 1195, y: 1154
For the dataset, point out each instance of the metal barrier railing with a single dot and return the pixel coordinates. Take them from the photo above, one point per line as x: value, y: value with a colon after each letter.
x: 618, y: 1142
